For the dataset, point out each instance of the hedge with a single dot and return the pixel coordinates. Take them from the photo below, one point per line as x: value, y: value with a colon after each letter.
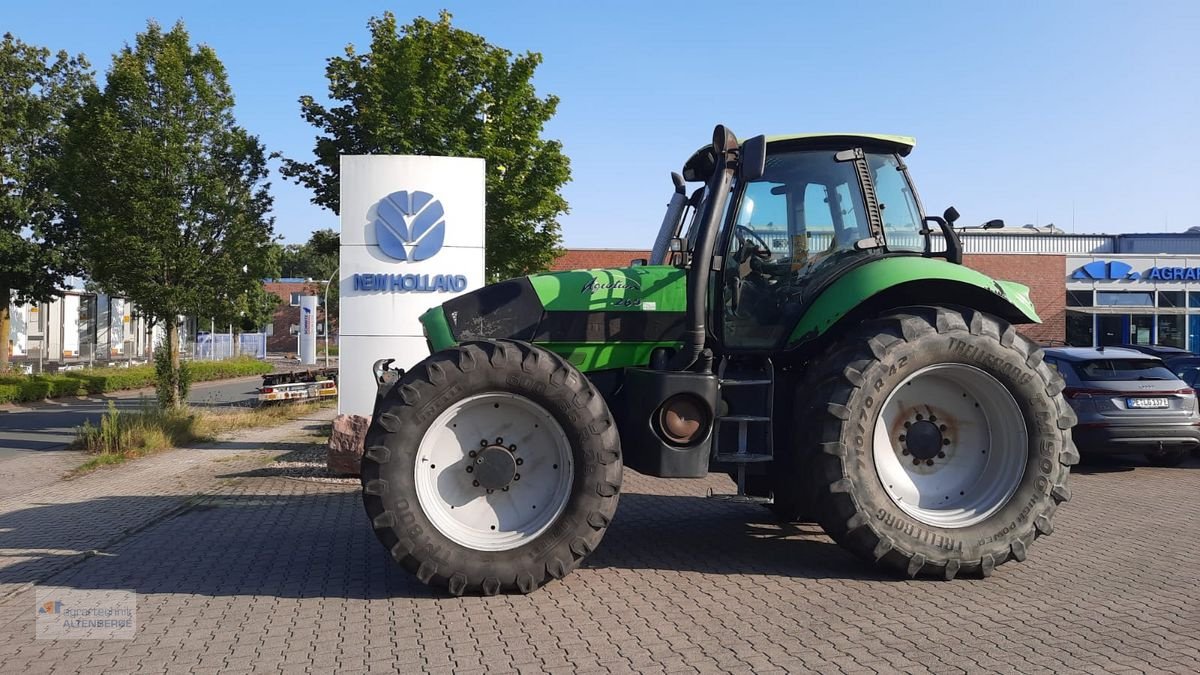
x: 23, y: 388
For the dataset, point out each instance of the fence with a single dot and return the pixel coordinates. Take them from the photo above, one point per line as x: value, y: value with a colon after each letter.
x: 217, y: 346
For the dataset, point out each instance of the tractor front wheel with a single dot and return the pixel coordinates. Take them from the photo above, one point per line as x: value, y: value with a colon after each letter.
x: 494, y: 466
x: 942, y: 442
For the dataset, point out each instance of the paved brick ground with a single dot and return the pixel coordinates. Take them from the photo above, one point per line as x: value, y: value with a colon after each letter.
x: 271, y: 574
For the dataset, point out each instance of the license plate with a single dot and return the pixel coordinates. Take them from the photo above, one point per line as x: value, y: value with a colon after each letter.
x: 1149, y: 402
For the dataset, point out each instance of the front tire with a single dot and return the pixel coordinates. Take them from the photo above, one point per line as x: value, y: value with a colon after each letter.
x: 491, y: 467
x: 943, y: 444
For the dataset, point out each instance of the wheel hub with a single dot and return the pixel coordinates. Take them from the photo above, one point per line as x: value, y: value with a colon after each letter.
x: 494, y: 467
x: 923, y: 440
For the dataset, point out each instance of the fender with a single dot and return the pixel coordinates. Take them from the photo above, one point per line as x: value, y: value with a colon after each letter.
x: 911, y: 280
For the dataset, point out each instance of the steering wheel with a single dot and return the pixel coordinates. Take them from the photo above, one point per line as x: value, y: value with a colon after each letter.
x: 744, y: 234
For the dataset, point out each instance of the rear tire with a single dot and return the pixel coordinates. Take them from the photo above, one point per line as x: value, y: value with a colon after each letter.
x: 908, y: 408
x: 467, y: 447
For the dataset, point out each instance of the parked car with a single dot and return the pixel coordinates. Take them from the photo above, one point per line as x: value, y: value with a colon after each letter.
x: 1163, y: 352
x: 1128, y: 401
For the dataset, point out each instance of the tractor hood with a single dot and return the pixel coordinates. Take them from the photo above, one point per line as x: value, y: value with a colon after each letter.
x: 602, y: 318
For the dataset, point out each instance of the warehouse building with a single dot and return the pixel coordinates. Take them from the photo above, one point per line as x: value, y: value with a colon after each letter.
x: 1090, y: 289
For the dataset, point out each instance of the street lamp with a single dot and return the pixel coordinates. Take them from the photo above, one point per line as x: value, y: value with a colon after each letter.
x: 326, y: 301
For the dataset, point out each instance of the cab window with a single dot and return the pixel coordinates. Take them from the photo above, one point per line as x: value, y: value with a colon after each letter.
x: 897, y: 204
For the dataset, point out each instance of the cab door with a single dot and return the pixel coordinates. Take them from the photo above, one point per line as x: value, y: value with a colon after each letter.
x: 803, y: 221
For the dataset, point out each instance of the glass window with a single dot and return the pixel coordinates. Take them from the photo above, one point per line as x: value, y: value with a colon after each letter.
x: 1193, y: 299
x: 1080, y: 329
x: 1171, y: 330
x: 1079, y: 298
x: 1141, y: 329
x: 295, y: 298
x: 1170, y: 298
x: 897, y: 204
x: 1111, y: 370
x: 1125, y: 298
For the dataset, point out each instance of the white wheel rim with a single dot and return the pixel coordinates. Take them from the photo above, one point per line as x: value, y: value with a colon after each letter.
x: 982, y: 441
x: 503, y: 519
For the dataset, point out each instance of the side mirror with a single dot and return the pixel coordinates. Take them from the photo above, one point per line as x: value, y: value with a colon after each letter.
x: 993, y: 224
x: 950, y: 215
x: 639, y: 262
x: 753, y: 161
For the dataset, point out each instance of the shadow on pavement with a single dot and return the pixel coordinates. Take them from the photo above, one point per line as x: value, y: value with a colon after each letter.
x: 320, y: 544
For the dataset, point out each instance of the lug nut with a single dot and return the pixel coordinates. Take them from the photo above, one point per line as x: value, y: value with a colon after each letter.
x: 920, y: 417
x: 499, y: 441
x: 520, y: 461
x: 483, y: 443
x: 941, y: 455
x: 902, y: 438
x: 470, y: 468
x: 475, y: 483
x: 929, y: 462
x: 904, y: 452
x: 517, y: 476
x: 504, y: 489
x: 933, y: 418
x: 916, y: 462
x: 945, y: 441
x: 472, y: 453
x: 907, y: 425
x: 490, y: 491
x: 512, y: 448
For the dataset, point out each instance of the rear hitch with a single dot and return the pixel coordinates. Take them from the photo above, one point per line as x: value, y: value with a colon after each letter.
x: 385, y: 376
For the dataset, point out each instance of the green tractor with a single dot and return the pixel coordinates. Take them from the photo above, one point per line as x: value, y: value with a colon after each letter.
x: 801, y: 326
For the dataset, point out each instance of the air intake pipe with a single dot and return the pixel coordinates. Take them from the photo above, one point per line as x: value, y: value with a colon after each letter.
x: 725, y: 146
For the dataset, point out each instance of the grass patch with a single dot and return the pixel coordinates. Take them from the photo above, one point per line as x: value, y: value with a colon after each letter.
x: 25, y: 388
x: 121, y: 436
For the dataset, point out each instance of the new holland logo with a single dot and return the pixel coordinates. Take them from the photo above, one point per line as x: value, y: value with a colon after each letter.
x: 410, y: 226
x: 1104, y: 270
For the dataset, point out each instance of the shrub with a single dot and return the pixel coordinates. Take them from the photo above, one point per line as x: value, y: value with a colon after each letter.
x: 136, y: 433
x: 22, y: 388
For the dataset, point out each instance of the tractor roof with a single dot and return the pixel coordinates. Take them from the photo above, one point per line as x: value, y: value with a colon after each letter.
x: 700, y: 165
x: 901, y: 144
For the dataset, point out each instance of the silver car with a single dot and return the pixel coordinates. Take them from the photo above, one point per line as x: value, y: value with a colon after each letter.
x: 1128, y: 402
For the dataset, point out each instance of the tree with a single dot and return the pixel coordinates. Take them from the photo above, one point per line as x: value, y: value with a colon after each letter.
x: 36, y: 244
x: 169, y: 193
x: 432, y: 89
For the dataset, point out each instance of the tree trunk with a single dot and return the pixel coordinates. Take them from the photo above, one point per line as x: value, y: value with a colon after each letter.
x: 172, y: 400
x: 5, y: 330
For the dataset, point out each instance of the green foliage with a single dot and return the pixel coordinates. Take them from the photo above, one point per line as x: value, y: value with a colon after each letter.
x: 171, y: 382
x: 431, y: 89
x: 24, y: 388
x: 124, y: 435
x: 36, y: 245
x: 169, y: 194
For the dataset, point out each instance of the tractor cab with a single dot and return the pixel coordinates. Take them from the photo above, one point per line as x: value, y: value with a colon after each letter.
x: 818, y: 206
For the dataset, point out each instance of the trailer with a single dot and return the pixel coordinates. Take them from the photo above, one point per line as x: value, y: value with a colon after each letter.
x: 299, y: 385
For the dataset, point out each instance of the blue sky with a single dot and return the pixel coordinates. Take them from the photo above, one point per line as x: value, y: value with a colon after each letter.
x: 1047, y: 112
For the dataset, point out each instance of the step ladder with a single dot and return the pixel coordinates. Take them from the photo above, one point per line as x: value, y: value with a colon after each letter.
x: 743, y: 455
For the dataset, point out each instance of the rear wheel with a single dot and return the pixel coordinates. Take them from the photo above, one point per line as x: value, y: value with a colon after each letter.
x: 943, y: 445
x: 494, y: 466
